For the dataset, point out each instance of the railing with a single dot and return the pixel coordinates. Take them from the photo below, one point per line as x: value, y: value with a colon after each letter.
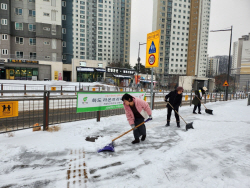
x: 44, y: 108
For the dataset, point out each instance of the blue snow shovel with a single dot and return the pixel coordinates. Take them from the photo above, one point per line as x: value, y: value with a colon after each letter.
x: 110, y: 147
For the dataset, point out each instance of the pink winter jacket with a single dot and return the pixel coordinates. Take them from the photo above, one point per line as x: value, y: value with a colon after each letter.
x: 141, y: 106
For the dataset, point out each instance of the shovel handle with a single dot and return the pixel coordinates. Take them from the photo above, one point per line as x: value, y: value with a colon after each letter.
x: 177, y: 112
x: 128, y: 131
x: 200, y: 101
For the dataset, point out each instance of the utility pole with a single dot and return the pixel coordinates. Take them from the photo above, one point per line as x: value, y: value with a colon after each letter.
x: 229, y: 59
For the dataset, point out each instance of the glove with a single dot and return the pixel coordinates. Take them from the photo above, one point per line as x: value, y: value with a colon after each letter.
x: 133, y: 126
x: 150, y: 117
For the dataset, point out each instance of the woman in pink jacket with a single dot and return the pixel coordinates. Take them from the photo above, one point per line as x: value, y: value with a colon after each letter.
x: 136, y: 111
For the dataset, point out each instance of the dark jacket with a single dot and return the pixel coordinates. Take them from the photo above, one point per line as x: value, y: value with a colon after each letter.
x: 196, y: 101
x: 174, y: 99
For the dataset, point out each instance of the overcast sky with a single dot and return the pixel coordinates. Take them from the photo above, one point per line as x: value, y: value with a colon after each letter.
x: 224, y: 13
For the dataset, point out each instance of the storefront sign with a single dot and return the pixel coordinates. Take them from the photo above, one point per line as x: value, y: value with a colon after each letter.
x: 92, y: 101
x: 81, y: 69
x: 55, y: 75
x: 8, y: 109
x: 22, y: 61
x: 100, y: 70
x: 3, y: 60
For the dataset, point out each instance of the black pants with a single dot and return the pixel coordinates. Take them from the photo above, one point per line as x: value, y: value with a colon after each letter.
x: 170, y: 112
x: 140, y: 130
x: 199, y: 107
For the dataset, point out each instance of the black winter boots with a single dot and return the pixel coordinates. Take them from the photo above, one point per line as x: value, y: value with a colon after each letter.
x: 143, y: 137
x: 137, y: 140
x: 168, y: 124
x: 178, y: 124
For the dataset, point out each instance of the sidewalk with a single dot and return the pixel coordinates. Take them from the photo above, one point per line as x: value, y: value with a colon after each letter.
x: 214, y: 154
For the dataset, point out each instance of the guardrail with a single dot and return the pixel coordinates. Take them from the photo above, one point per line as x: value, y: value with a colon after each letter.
x: 49, y: 107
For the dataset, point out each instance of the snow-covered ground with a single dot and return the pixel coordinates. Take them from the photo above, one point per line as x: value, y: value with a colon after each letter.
x: 214, y: 154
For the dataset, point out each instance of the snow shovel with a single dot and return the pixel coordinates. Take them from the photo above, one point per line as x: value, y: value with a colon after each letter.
x: 208, y: 111
x: 188, y: 125
x: 110, y: 147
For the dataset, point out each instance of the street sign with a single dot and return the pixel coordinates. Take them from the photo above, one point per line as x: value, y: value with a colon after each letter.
x: 153, y: 48
x: 8, y: 109
x: 225, y: 84
x: 53, y: 88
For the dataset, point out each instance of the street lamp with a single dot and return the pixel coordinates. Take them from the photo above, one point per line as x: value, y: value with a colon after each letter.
x: 139, y: 59
x: 228, y: 71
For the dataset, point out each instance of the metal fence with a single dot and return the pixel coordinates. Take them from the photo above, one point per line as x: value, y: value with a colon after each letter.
x: 49, y: 108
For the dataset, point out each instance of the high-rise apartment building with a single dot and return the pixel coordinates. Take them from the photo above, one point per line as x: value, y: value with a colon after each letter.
x: 184, y: 28
x: 213, y: 66
x: 30, y: 31
x: 241, y: 61
x: 96, y: 30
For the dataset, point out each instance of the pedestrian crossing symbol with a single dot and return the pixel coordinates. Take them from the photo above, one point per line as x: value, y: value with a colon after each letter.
x: 225, y: 83
x: 152, y: 48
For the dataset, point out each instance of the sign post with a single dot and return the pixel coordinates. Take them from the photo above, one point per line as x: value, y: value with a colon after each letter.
x: 152, y: 55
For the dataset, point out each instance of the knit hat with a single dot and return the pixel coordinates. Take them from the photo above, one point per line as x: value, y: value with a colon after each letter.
x: 179, y: 89
x: 204, y: 88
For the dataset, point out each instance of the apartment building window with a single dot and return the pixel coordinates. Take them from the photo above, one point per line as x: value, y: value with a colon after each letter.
x: 46, y: 0
x: 32, y: 41
x: 4, y: 37
x: 4, y: 52
x: 32, y: 13
x: 53, y: 44
x: 3, y: 6
x: 32, y: 27
x: 18, y: 11
x: 46, y: 43
x: 46, y: 14
x: 53, y: 3
x: 19, y: 26
x: 53, y: 56
x: 53, y: 29
x: 63, y: 44
x: 64, y: 3
x: 53, y: 15
x: 47, y: 57
x: 4, y: 21
x: 63, y: 30
x: 32, y: 1
x: 63, y: 17
x: 19, y: 54
x: 19, y: 40
x: 32, y: 55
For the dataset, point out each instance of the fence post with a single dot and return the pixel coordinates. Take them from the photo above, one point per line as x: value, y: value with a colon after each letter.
x: 98, y: 117
x: 220, y: 96
x: 230, y: 97
x: 236, y: 96
x: 211, y: 97
x: 88, y: 88
x: 61, y: 90
x: 44, y: 87
x: 153, y: 101
x: 205, y: 98
x: 2, y: 89
x: 46, y: 110
x: 191, y: 98
x: 215, y: 97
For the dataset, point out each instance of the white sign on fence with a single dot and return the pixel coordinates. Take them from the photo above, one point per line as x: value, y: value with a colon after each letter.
x: 92, y: 101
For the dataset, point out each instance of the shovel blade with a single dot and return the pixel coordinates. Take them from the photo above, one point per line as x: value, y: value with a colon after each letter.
x: 109, y: 148
x: 189, y: 126
x: 208, y: 111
